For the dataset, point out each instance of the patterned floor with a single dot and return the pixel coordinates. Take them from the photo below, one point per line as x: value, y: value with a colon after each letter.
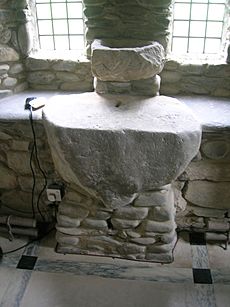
x: 37, y: 276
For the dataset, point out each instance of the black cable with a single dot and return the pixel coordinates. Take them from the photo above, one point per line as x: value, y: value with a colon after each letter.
x: 35, y: 150
x: 34, y: 180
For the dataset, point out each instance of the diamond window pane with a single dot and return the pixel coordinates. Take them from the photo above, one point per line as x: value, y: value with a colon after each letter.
x: 76, y: 42
x: 45, y: 27
x: 180, y: 28
x: 59, y: 10
x: 196, y: 45
x: 182, y: 1
x: 212, y: 45
x: 214, y: 29
x: 199, y: 12
x: 75, y: 26
x: 216, y: 12
x: 42, y: 1
x: 60, y: 27
x: 179, y: 45
x: 46, y: 42
x: 61, y: 42
x: 43, y: 11
x: 197, y: 28
x: 181, y: 11
x: 75, y: 10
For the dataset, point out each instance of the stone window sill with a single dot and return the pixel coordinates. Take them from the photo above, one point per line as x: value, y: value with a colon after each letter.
x: 212, y: 112
x: 188, y: 60
x: 66, y: 55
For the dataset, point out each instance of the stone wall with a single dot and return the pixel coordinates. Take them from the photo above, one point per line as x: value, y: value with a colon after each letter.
x: 53, y: 74
x: 205, y: 185
x: 195, y: 79
x: 16, y: 181
x: 16, y: 41
x: 176, y: 78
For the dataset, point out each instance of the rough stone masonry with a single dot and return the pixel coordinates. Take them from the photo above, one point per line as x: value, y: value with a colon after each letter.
x: 119, y: 163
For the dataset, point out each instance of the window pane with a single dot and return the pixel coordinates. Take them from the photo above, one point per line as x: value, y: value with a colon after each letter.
x: 196, y: 45
x: 61, y: 42
x: 43, y: 11
x: 41, y: 1
x: 181, y: 11
x: 199, y: 12
x: 180, y: 28
x: 179, y: 45
x: 206, y: 21
x: 214, y: 29
x: 216, y: 12
x: 75, y: 26
x: 59, y: 10
x: 75, y: 10
x: 217, y: 1
x: 46, y: 42
x: 76, y: 42
x: 60, y: 27
x: 212, y: 45
x: 45, y: 27
x: 197, y: 28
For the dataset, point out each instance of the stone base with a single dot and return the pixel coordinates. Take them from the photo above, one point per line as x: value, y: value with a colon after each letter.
x: 144, y: 87
x: 143, y: 230
x: 159, y: 258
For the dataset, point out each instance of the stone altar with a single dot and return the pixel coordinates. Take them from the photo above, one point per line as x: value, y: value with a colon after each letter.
x: 119, y: 155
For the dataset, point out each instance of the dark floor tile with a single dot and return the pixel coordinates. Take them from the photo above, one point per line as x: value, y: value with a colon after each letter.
x: 27, y: 262
x: 202, y: 276
x: 197, y: 238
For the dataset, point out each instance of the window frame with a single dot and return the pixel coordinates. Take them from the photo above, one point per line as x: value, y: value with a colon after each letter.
x: 68, y: 35
x: 223, y: 38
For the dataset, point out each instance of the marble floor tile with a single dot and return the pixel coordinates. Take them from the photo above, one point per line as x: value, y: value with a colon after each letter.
x: 222, y: 293
x: 14, y: 291
x: 91, y: 281
x: 55, y: 289
x: 32, y: 249
x: 159, y: 274
x: 10, y: 260
x: 204, y: 296
x: 8, y: 245
x: 200, y: 259
x: 221, y: 276
x: 218, y: 256
x: 6, y: 274
x: 111, y: 270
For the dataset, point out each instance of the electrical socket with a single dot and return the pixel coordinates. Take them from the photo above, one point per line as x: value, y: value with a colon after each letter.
x: 55, y: 192
x: 53, y: 195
